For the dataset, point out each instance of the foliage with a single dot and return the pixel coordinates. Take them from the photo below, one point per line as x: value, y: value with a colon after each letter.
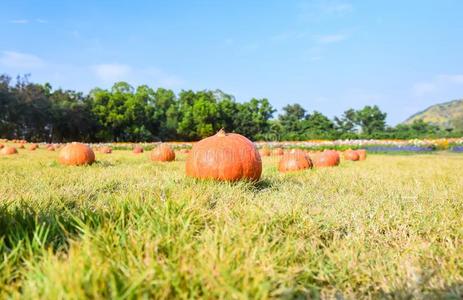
x: 123, y: 113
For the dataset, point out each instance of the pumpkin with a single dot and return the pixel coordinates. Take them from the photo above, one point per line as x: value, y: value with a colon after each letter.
x: 265, y: 151
x: 293, y: 161
x: 278, y: 151
x: 51, y: 148
x: 327, y: 158
x: 7, y: 150
x: 1, y: 146
x: 32, y: 147
x: 21, y: 146
x: 137, y: 150
x: 76, y: 154
x: 106, y: 150
x: 224, y: 157
x: 351, y: 155
x: 162, y: 153
x: 362, y: 154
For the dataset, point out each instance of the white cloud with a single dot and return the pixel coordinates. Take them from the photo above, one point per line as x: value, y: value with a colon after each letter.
x: 112, y: 72
x: 315, y: 10
x: 18, y: 60
x: 20, y: 21
x: 332, y: 38
x: 438, y: 83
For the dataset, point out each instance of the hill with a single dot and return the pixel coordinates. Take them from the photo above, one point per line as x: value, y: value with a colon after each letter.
x: 445, y: 115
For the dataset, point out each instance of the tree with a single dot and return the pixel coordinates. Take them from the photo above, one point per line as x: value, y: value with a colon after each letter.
x: 371, y: 119
x: 317, y: 125
x: 252, y: 119
x: 291, y: 119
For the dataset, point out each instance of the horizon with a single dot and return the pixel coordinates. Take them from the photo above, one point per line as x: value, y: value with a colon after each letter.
x: 328, y: 56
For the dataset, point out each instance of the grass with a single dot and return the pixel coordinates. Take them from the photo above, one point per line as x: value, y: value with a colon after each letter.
x: 388, y: 227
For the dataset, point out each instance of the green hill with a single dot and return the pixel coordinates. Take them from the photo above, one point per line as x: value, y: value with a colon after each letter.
x: 445, y: 115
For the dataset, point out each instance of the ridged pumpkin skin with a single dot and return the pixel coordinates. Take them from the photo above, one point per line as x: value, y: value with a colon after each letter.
x: 278, y: 151
x: 224, y: 157
x: 76, y: 154
x: 294, y: 161
x: 138, y: 150
x: 328, y: 158
x: 351, y: 155
x: 8, y: 150
x: 362, y: 154
x: 162, y: 153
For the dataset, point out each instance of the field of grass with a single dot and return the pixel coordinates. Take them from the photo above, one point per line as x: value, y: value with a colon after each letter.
x: 125, y: 227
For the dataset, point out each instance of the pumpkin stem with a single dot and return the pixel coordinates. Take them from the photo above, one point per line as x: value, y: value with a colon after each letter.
x: 221, y: 132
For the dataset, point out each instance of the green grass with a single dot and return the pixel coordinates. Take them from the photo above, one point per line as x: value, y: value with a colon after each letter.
x: 125, y: 227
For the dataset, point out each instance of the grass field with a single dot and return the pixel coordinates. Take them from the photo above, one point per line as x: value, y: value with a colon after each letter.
x: 125, y: 227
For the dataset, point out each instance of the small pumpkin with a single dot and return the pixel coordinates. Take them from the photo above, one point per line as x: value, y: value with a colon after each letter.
x: 137, y: 149
x: 76, y: 154
x: 295, y: 160
x: 327, y: 158
x: 351, y: 155
x: 33, y: 147
x: 224, y: 157
x: 362, y: 154
x: 1, y: 146
x: 20, y: 146
x: 278, y: 151
x: 162, y: 152
x: 106, y: 150
x: 51, y: 148
x: 265, y: 151
x: 7, y: 150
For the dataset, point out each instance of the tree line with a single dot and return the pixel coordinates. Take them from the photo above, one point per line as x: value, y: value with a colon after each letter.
x: 37, y: 112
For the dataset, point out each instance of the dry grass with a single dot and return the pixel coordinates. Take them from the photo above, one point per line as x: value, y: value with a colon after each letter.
x: 388, y: 227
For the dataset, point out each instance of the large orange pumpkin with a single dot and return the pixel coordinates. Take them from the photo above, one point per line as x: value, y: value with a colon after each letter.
x: 7, y: 150
x: 225, y: 157
x: 293, y: 161
x: 137, y: 149
x: 362, y: 154
x: 162, y: 153
x: 327, y: 158
x: 76, y: 154
x: 106, y: 150
x: 351, y: 155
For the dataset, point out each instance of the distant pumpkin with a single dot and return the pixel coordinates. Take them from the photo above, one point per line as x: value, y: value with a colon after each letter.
x: 351, y: 155
x: 137, y: 149
x: 278, y: 151
x: 362, y: 154
x: 7, y: 150
x: 295, y: 160
x: 327, y: 158
x: 106, y: 150
x: 224, y: 157
x: 33, y: 147
x: 20, y: 146
x: 265, y: 151
x: 162, y: 152
x: 76, y: 154
x: 1, y: 146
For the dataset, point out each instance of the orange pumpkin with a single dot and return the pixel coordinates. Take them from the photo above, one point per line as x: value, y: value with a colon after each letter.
x: 351, y: 155
x: 106, y: 150
x: 225, y: 157
x: 137, y: 149
x: 7, y: 150
x: 51, y: 148
x: 293, y: 161
x: 265, y: 151
x: 327, y: 158
x: 1, y: 146
x: 362, y: 154
x: 21, y: 146
x: 32, y: 147
x: 76, y: 154
x: 162, y: 152
x: 278, y: 151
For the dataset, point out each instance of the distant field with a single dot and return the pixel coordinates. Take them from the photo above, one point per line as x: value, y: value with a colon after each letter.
x: 125, y: 227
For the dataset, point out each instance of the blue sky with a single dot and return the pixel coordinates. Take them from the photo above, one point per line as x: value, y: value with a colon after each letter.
x: 326, y: 55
